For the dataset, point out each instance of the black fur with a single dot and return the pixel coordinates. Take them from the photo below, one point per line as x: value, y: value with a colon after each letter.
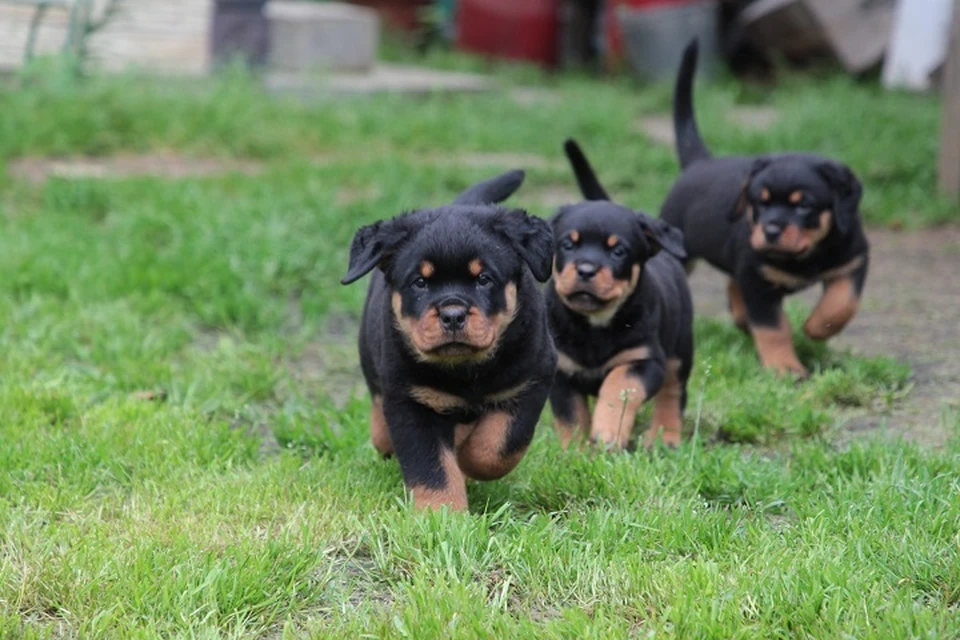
x: 514, y: 250
x: 715, y: 201
x: 657, y: 314
x: 690, y: 146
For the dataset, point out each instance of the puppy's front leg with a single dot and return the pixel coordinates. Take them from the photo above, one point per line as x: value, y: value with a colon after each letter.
x: 770, y: 327
x: 571, y: 415
x: 495, y: 444
x: 423, y: 443
x: 624, y: 390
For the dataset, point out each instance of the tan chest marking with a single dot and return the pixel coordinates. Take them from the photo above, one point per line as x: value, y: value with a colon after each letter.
x: 790, y: 281
x: 569, y: 366
x: 443, y: 402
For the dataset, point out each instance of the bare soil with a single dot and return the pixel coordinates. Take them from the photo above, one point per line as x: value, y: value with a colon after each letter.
x: 165, y: 165
x: 910, y: 311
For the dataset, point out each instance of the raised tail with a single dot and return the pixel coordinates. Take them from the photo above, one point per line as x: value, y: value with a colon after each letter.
x: 690, y: 146
x: 493, y: 190
x: 590, y: 187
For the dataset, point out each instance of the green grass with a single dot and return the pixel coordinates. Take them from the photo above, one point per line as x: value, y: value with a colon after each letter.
x: 247, y: 502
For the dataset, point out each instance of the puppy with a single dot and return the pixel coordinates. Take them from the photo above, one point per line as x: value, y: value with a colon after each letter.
x: 774, y: 224
x: 621, y: 316
x: 454, y: 343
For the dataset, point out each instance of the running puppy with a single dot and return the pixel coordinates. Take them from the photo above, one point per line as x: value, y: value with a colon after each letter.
x: 621, y: 316
x: 454, y: 344
x: 776, y: 224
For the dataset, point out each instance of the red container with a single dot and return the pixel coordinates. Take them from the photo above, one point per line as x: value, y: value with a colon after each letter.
x: 514, y: 29
x: 614, y: 44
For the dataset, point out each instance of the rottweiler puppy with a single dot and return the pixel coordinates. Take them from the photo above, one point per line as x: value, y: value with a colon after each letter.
x: 775, y: 224
x: 454, y: 342
x: 622, y: 318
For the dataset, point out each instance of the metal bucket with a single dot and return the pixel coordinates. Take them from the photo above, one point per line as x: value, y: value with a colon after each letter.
x: 239, y: 31
x: 654, y: 38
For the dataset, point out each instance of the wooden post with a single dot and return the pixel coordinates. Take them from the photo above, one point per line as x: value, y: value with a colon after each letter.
x: 949, y: 164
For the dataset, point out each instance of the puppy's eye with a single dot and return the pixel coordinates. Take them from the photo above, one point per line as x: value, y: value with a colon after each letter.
x: 567, y: 244
x: 619, y: 251
x: 419, y: 283
x: 484, y: 280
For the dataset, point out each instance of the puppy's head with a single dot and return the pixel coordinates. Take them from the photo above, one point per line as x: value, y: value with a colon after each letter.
x: 454, y: 274
x: 601, y: 248
x: 793, y: 202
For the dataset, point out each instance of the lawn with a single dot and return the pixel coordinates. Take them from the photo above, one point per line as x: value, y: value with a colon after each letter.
x: 184, y: 448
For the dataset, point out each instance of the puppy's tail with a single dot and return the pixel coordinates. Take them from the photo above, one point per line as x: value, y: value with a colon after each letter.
x: 690, y: 146
x: 493, y: 190
x: 590, y: 186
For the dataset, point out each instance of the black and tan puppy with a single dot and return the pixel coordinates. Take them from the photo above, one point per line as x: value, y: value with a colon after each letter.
x: 775, y: 224
x: 454, y: 343
x: 621, y: 316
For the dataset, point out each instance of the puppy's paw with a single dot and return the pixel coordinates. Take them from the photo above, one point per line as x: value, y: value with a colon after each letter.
x: 598, y: 443
x: 793, y: 370
x: 669, y: 438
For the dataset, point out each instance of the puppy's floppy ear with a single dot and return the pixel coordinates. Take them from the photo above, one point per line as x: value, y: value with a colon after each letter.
x: 531, y: 237
x: 662, y: 236
x: 555, y: 218
x: 847, y: 192
x: 493, y: 190
x: 371, y: 246
x: 759, y: 164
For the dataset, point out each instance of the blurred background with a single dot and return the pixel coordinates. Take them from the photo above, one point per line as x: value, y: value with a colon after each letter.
x: 314, y: 47
x: 905, y: 40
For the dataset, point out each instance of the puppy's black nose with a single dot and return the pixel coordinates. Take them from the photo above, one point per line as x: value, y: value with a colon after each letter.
x: 453, y: 317
x: 586, y: 270
x: 772, y: 231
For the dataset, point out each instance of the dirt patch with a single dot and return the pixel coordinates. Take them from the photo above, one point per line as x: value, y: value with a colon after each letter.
x: 910, y: 311
x: 554, y: 196
x: 753, y: 118
x: 328, y: 364
x: 532, y: 97
x: 659, y: 127
x: 495, y: 160
x: 163, y: 165
x: 507, y: 160
x: 348, y: 195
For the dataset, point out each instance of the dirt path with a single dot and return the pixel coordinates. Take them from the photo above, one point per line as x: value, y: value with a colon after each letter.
x: 911, y: 311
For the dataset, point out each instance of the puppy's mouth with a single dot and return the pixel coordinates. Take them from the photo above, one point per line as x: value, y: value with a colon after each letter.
x: 586, y: 301
x: 781, y: 253
x: 456, y: 350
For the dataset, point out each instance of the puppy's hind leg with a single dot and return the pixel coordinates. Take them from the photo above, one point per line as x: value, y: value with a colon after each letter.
x: 669, y: 403
x: 571, y: 414
x: 738, y: 308
x: 379, y: 434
